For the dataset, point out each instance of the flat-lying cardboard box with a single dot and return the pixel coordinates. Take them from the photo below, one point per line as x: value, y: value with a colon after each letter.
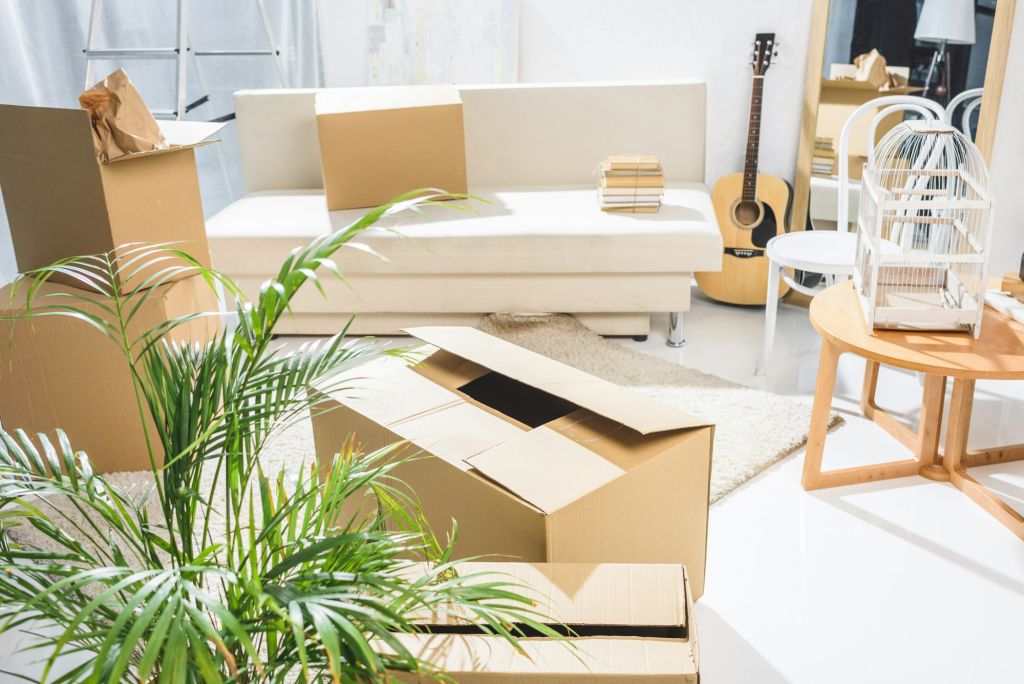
x: 537, y: 461
x: 378, y: 143
x: 60, y: 372
x: 62, y: 202
x: 634, y: 623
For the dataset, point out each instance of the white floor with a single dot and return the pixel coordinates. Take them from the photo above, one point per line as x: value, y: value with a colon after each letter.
x: 899, y: 581
x: 902, y: 581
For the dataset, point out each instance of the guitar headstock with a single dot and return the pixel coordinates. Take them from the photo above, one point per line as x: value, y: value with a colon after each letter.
x: 765, y: 51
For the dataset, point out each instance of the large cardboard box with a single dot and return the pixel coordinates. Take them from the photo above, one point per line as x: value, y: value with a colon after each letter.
x: 378, y: 143
x: 62, y: 202
x: 633, y: 623
x: 537, y: 461
x: 60, y: 372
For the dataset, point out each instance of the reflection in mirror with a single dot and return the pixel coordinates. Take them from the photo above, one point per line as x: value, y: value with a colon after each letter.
x: 936, y: 49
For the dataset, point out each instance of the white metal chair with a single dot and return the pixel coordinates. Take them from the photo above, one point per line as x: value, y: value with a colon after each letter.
x: 830, y: 253
x: 971, y: 100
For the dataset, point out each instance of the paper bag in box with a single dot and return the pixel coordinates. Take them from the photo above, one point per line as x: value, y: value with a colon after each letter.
x: 632, y: 623
x: 60, y: 372
x: 537, y: 461
x: 378, y: 143
x: 63, y: 202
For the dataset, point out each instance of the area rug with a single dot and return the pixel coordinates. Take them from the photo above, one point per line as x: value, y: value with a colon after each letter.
x: 753, y: 428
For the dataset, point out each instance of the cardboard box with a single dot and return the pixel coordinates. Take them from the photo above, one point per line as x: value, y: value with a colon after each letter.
x: 537, y: 461
x: 634, y: 624
x: 62, y: 202
x: 57, y: 371
x: 378, y: 143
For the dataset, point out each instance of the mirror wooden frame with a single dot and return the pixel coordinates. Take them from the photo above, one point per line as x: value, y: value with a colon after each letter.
x: 995, y: 71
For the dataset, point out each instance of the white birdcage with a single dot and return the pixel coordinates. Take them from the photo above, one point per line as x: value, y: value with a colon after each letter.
x: 923, y: 230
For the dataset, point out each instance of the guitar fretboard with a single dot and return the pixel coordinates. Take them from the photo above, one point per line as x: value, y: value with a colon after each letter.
x: 753, y: 141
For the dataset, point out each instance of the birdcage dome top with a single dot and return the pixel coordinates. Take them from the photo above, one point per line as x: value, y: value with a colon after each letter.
x: 928, y: 145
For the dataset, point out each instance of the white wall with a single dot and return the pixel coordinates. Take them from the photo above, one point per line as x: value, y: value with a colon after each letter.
x: 1008, y: 161
x: 597, y: 40
x: 588, y: 40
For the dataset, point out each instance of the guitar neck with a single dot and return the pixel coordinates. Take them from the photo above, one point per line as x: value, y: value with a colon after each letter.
x: 753, y: 140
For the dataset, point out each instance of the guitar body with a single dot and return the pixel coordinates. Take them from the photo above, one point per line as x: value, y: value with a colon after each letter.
x: 746, y: 229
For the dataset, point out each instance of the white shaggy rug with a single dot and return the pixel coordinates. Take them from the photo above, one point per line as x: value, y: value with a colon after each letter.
x: 753, y: 428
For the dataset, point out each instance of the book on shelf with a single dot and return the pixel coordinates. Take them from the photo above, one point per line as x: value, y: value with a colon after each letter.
x: 630, y: 191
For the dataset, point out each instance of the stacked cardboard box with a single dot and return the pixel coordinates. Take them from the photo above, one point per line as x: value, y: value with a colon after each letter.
x: 631, y: 184
x: 536, y: 460
x: 631, y: 623
x: 66, y: 199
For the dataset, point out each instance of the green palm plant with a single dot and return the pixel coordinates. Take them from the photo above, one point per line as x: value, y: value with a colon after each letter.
x: 282, y: 582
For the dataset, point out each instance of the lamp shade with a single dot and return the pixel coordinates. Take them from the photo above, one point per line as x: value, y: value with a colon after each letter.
x: 946, y: 20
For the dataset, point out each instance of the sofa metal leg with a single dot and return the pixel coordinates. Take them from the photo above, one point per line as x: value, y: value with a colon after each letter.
x: 675, y: 330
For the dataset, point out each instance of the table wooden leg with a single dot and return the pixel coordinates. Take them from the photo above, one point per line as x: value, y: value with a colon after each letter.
x: 813, y: 476
x: 824, y: 387
x: 867, y: 390
x: 961, y: 404
x: 930, y: 428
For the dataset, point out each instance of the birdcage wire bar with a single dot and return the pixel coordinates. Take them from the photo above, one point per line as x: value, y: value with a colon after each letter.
x: 923, y: 231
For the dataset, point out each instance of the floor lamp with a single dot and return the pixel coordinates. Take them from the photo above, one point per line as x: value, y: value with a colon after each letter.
x: 946, y: 22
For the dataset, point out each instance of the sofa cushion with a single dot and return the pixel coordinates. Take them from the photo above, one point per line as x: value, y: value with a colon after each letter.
x: 525, y: 230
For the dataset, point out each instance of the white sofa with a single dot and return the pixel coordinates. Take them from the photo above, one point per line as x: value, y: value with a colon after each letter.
x: 541, y: 245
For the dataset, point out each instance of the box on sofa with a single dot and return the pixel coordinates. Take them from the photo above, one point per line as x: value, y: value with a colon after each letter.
x: 378, y: 143
x: 535, y: 460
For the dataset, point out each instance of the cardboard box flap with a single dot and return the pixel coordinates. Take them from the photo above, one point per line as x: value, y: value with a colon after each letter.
x: 347, y: 100
x: 545, y: 468
x: 180, y: 135
x: 635, y: 411
x: 63, y: 135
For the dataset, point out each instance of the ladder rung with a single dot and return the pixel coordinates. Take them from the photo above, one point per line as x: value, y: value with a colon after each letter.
x: 221, y: 53
x: 132, y: 53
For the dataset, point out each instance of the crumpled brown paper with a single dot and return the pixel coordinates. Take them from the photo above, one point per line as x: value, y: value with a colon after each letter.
x: 871, y: 68
x: 121, y: 122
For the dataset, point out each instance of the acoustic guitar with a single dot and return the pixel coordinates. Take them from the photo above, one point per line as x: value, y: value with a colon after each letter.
x: 751, y: 208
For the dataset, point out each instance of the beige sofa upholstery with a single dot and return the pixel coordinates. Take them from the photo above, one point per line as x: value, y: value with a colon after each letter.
x: 539, y: 243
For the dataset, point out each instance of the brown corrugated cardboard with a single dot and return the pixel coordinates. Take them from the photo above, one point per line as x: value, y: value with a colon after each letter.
x: 378, y: 143
x: 61, y: 372
x: 62, y: 202
x: 537, y: 461
x: 635, y: 624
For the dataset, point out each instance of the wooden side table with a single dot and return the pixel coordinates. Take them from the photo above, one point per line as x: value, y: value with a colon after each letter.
x: 997, y: 355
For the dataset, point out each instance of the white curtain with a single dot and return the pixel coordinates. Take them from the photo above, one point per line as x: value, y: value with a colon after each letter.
x: 41, y: 63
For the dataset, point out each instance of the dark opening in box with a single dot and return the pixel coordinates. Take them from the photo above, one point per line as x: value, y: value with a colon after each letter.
x: 517, y: 400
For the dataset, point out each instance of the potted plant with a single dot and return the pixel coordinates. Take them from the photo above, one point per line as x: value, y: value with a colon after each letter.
x: 248, y: 575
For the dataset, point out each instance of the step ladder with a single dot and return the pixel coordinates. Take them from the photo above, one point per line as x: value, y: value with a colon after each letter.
x: 179, y: 52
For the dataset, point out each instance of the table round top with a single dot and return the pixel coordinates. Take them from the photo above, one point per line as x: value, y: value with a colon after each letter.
x: 998, y: 354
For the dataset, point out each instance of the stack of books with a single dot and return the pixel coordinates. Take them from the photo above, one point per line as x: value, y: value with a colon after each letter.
x: 631, y: 184
x: 824, y: 160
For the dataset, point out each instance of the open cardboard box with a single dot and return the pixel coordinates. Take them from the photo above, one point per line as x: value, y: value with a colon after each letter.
x: 378, y: 143
x: 62, y: 202
x: 535, y: 460
x: 60, y: 372
x: 632, y: 623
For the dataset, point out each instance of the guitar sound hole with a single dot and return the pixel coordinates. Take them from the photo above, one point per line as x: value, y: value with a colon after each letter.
x: 747, y: 212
